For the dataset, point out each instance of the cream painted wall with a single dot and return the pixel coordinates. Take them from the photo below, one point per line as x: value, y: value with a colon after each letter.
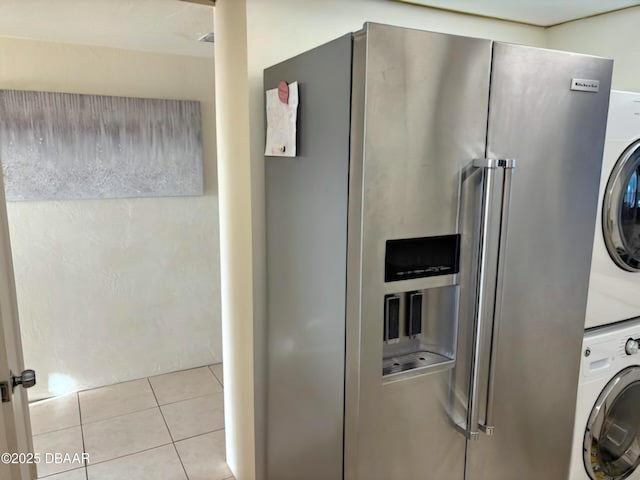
x: 279, y: 29
x: 614, y: 35
x: 113, y: 290
x: 232, y: 115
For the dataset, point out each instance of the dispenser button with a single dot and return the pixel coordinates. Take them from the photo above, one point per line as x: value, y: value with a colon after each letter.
x: 414, y: 314
x: 391, y: 317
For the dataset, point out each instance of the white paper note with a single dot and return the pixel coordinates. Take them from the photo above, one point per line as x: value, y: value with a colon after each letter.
x: 281, y: 123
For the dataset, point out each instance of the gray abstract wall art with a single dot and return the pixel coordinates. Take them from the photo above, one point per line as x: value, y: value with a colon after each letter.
x: 59, y: 146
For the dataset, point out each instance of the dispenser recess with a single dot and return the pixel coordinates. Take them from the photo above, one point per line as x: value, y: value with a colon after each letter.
x: 420, y: 325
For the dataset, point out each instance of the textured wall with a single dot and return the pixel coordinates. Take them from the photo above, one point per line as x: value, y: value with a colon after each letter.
x: 65, y: 146
x: 111, y: 290
x: 614, y: 35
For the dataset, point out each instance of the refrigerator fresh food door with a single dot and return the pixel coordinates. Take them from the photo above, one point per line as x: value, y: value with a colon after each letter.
x: 419, y: 117
x: 555, y: 132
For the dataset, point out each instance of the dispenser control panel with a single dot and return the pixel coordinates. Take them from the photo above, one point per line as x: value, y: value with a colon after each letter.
x: 409, y: 258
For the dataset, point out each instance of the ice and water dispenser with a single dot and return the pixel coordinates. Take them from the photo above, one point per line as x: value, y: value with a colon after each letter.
x: 420, y: 324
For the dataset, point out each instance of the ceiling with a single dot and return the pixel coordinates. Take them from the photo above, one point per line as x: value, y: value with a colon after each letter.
x: 174, y: 27
x: 543, y: 13
x: 163, y: 26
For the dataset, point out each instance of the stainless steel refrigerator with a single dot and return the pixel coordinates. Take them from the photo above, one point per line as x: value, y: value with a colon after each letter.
x: 428, y: 258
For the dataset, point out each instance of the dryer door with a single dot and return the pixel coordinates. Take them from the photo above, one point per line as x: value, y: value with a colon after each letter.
x: 612, y: 437
x: 621, y: 210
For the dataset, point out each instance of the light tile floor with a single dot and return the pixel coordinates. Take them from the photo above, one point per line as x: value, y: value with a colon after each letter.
x: 169, y: 427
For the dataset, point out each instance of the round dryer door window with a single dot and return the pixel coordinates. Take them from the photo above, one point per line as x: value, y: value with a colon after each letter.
x: 612, y: 437
x: 621, y: 211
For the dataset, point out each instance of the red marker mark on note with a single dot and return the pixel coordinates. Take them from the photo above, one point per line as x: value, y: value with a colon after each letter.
x: 283, y: 92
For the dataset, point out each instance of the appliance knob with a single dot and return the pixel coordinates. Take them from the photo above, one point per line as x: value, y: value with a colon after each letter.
x: 632, y: 347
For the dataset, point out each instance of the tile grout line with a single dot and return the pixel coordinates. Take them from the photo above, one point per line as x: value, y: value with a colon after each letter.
x: 129, y: 413
x: 215, y: 377
x: 84, y: 464
x: 66, y: 471
x: 184, y: 469
x: 160, y: 409
x: 158, y: 406
x: 121, y: 415
x: 199, y: 435
x: 140, y: 451
x: 101, y: 420
x: 173, y: 443
x: 188, y: 399
x: 55, y: 431
x: 84, y: 447
x: 135, y: 380
x: 129, y: 454
x: 77, y: 394
x: 52, y: 397
x: 214, y: 374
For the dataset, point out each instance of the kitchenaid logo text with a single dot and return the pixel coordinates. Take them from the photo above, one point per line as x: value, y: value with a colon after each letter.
x: 584, y: 85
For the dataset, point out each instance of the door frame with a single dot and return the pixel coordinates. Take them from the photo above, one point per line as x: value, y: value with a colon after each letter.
x: 15, y: 426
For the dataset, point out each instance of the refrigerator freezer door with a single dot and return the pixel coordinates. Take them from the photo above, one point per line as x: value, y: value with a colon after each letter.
x: 556, y: 135
x: 306, y: 213
x: 419, y: 117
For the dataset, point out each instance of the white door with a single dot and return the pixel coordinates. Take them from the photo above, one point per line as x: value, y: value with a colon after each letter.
x: 15, y: 429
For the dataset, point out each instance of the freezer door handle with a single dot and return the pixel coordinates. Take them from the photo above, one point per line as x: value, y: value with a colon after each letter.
x: 489, y: 166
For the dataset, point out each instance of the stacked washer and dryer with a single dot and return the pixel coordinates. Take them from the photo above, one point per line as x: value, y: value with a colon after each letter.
x: 607, y: 429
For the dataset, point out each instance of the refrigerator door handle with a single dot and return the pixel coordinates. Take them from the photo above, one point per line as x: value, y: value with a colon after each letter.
x: 489, y: 167
x: 508, y: 166
x: 488, y: 181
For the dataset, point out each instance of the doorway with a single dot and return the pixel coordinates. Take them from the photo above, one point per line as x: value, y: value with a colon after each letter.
x: 118, y: 293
